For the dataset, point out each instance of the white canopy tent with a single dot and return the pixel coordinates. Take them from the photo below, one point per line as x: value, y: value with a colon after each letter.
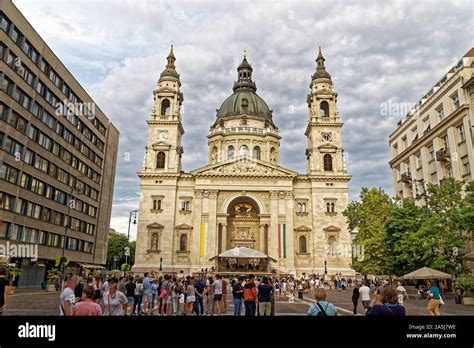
x: 427, y: 273
x: 243, y: 252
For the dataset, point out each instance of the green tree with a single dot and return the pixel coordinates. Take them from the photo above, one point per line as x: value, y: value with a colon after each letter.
x: 405, y: 243
x: 116, y: 250
x: 433, y: 236
x: 368, y: 217
x: 448, y: 227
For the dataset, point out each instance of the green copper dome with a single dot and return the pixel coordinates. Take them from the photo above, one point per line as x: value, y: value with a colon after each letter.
x: 244, y: 101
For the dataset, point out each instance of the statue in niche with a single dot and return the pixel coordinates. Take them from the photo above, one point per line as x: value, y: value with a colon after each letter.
x: 154, y: 241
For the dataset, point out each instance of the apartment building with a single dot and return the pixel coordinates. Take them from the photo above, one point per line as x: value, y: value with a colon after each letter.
x: 58, y: 154
x: 435, y: 140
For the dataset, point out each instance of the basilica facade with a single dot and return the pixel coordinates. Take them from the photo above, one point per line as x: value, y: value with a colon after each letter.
x: 243, y: 196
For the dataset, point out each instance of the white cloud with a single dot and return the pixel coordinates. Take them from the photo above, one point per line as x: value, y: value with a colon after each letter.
x: 375, y: 52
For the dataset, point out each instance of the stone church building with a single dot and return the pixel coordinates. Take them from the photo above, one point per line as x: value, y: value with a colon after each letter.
x: 243, y: 197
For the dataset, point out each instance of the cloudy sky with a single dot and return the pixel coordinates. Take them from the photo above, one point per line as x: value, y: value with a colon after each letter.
x: 378, y: 52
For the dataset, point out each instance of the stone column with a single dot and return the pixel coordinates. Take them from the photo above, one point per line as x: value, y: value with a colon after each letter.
x: 224, y: 237
x: 454, y: 155
x: 469, y: 142
x: 195, y: 249
x: 273, y: 227
x: 213, y: 236
x: 262, y: 238
x: 290, y: 250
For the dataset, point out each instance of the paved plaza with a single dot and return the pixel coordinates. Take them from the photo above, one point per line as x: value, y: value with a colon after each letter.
x: 28, y: 302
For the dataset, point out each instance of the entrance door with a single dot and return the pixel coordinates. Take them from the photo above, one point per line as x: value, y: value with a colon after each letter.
x: 243, y: 223
x: 31, y: 276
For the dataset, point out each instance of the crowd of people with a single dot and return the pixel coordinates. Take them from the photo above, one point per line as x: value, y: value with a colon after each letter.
x: 166, y: 295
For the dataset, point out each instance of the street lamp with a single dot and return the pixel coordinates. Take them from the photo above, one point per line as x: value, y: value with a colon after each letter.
x: 161, y: 264
x: 130, y: 214
x: 325, y: 267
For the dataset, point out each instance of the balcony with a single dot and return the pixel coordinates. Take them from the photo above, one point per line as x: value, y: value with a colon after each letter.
x: 442, y: 155
x: 406, y: 178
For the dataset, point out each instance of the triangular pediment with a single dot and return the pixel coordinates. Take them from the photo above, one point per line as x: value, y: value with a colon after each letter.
x: 331, y: 228
x: 244, y: 167
x: 302, y: 229
x: 184, y: 227
x: 165, y: 89
x: 325, y: 90
x: 154, y: 226
x: 160, y: 144
x: 327, y: 146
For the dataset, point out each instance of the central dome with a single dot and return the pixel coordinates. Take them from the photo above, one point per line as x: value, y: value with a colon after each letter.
x: 244, y: 101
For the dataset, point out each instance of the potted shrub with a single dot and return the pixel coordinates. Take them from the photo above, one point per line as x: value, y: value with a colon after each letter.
x: 466, y: 284
x: 125, y: 267
x: 12, y: 273
x: 53, y: 277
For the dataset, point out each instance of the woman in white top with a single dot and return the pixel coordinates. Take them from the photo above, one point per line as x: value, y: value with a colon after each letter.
x: 113, y: 302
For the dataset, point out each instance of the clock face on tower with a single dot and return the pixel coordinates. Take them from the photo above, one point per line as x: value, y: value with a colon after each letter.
x: 163, y: 135
x: 327, y: 137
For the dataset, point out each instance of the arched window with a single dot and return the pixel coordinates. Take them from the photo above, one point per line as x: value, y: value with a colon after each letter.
x: 256, y: 152
x: 272, y: 155
x: 245, y: 105
x: 299, y: 207
x: 157, y: 204
x: 328, y: 207
x: 324, y: 109
x: 165, y: 107
x: 244, y: 150
x: 303, y: 207
x: 214, y: 158
x: 183, y: 242
x: 327, y: 162
x: 230, y: 152
x: 160, y: 160
x: 303, y: 248
x: 333, y: 208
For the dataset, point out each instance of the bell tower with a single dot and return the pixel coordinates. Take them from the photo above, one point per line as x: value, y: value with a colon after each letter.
x: 164, y: 150
x: 324, y: 153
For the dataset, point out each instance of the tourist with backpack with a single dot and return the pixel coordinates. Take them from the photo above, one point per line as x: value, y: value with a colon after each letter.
x: 321, y: 308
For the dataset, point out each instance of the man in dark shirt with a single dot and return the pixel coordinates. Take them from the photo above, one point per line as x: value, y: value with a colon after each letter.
x: 238, y: 294
x: 264, y: 298
x: 130, y: 293
x: 199, y: 292
x: 4, y: 283
x: 355, y: 297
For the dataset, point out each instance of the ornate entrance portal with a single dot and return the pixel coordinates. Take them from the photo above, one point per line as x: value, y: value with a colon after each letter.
x: 243, y: 223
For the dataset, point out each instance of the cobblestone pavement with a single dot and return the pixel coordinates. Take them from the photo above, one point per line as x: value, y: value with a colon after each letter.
x: 47, y: 303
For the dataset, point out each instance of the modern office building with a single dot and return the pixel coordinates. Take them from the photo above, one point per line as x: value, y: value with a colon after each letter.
x: 57, y: 156
x: 435, y: 140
